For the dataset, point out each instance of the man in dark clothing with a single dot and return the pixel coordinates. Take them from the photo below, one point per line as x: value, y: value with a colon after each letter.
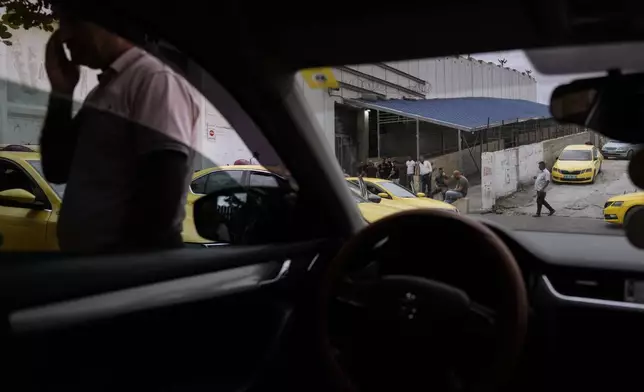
x: 384, y: 168
x: 371, y: 170
x: 394, y: 175
x: 441, y: 183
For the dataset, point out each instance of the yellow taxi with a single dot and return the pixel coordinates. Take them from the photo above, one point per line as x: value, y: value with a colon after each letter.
x: 372, y: 211
x: 578, y: 164
x: 618, y: 209
x: 396, y: 195
x: 29, y: 206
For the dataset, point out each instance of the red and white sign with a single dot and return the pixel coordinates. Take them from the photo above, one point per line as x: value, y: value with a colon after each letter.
x: 212, y: 134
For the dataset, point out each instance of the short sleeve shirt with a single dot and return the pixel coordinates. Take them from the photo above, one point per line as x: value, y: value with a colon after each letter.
x: 542, y: 181
x: 139, y: 106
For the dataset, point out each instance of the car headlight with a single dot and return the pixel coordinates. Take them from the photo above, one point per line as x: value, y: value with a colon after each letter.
x: 554, y: 169
x: 617, y: 203
x: 587, y: 170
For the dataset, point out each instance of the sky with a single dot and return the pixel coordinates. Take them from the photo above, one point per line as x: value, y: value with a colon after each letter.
x: 518, y: 60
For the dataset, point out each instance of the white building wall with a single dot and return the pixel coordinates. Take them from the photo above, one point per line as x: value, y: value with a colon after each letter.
x: 445, y: 77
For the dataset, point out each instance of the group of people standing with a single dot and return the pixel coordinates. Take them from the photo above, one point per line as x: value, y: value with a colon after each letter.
x: 388, y: 169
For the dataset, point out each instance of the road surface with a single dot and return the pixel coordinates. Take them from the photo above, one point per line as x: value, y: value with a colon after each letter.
x: 555, y: 224
x: 579, y: 206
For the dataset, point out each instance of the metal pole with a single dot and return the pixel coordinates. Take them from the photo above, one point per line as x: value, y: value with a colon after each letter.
x: 460, y: 146
x: 378, y: 130
x: 417, y: 139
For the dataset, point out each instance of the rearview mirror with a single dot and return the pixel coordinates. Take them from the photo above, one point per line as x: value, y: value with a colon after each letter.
x: 238, y: 215
x: 610, y: 105
x: 374, y: 198
x: 421, y: 194
x: 384, y: 195
x: 18, y: 196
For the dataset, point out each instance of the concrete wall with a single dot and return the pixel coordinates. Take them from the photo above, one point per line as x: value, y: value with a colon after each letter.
x: 463, y: 161
x: 503, y: 172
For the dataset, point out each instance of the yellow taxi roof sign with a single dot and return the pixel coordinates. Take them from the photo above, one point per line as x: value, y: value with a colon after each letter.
x: 320, y: 78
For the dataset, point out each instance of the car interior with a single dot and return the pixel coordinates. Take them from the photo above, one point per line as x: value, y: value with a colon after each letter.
x: 310, y: 298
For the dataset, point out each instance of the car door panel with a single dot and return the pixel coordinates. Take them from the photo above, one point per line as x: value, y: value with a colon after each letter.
x: 179, y: 319
x: 24, y: 229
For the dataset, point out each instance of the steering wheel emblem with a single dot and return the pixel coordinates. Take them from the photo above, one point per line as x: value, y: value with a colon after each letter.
x: 408, y: 307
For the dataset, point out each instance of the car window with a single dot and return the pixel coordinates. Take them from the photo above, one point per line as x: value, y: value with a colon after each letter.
x: 223, y: 179
x: 263, y: 180
x: 199, y: 185
x: 146, y: 99
x: 373, y: 189
x: 58, y: 188
x: 575, y: 155
x: 396, y: 189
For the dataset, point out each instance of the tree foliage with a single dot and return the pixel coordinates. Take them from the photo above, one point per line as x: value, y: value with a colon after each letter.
x: 25, y: 14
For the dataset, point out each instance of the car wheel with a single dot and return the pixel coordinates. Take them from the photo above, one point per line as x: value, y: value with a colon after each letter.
x: 631, y: 212
x: 629, y: 154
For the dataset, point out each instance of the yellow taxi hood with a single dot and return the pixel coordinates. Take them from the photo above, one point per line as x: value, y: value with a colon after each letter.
x: 425, y: 202
x: 400, y: 205
x: 573, y: 165
x: 371, y: 212
x: 628, y: 197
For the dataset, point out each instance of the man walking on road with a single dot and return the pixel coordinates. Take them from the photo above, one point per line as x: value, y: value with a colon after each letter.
x: 542, y: 180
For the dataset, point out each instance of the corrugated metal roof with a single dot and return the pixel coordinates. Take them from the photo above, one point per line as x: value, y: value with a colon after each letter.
x: 470, y: 114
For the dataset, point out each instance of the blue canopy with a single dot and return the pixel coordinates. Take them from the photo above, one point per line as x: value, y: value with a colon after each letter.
x: 468, y: 114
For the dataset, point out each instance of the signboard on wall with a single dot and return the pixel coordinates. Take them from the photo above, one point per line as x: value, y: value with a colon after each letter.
x: 211, y: 133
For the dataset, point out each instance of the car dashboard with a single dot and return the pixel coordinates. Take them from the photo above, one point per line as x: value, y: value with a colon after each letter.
x: 586, y: 295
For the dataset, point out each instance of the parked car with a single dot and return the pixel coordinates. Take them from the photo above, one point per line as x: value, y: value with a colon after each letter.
x: 29, y: 206
x: 618, y: 209
x: 617, y: 149
x: 372, y: 208
x: 577, y: 163
x: 399, y: 196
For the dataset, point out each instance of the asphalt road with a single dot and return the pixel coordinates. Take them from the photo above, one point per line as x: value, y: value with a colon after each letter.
x: 554, y: 224
x: 579, y: 207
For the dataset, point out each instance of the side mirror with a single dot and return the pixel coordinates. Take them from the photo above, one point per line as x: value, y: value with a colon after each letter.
x: 421, y: 194
x: 374, y: 198
x: 384, y: 195
x: 18, y: 196
x: 238, y: 215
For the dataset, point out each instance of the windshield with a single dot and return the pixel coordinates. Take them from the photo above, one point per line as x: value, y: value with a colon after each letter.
x: 58, y: 188
x: 417, y: 122
x: 355, y: 193
x: 396, y: 189
x: 576, y: 155
x: 467, y: 130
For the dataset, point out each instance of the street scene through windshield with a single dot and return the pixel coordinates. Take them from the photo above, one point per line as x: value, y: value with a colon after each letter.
x: 470, y: 134
x: 474, y: 131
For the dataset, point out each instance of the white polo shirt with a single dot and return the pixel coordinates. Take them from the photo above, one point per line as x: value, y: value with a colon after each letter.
x: 141, y: 105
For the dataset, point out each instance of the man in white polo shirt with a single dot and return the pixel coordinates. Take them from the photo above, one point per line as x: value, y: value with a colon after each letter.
x: 126, y: 155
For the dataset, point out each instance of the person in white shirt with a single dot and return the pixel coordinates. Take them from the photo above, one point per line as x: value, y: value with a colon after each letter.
x: 411, y: 166
x: 425, y: 176
x: 542, y: 180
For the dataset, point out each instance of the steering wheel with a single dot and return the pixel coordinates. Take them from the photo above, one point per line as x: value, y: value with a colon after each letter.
x: 399, y: 328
